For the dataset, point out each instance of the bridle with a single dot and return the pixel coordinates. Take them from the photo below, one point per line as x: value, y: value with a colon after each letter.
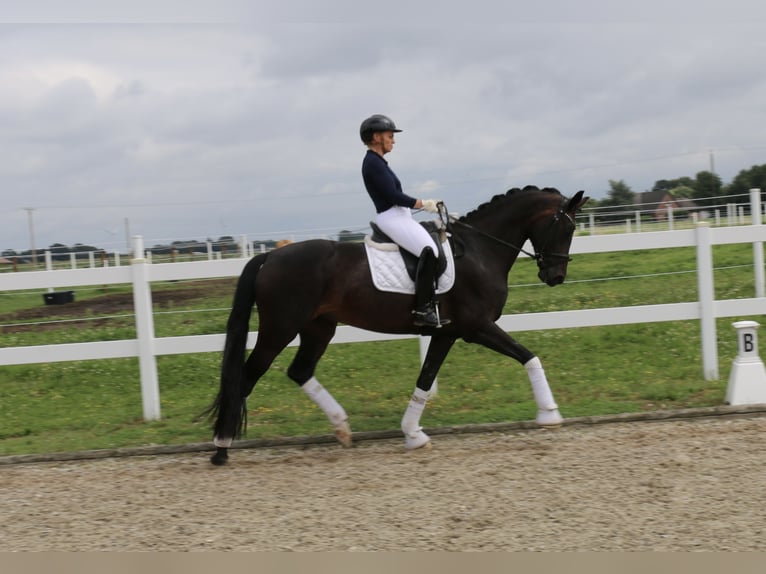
x: 542, y: 257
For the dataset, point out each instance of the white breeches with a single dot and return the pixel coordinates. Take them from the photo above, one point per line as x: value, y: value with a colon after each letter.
x: 398, y: 224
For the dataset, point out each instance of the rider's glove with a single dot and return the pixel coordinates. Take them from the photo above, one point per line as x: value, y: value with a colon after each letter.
x: 430, y: 205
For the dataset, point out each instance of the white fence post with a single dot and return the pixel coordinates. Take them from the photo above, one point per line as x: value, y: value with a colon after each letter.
x: 243, y: 251
x: 706, y: 294
x: 142, y: 301
x: 755, y: 217
x: 49, y: 266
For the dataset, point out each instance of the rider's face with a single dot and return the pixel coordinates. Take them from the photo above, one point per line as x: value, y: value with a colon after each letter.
x: 385, y: 141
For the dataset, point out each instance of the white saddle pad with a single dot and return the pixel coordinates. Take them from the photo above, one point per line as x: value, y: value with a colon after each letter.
x: 389, y: 273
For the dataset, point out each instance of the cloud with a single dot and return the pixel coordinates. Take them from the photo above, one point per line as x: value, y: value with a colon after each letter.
x: 202, y: 130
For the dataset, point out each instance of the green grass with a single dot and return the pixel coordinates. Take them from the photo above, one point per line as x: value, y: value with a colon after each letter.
x: 592, y: 371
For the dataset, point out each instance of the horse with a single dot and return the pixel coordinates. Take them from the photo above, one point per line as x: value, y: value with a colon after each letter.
x: 306, y: 288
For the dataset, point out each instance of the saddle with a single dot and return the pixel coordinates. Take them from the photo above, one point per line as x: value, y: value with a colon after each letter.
x: 410, y: 260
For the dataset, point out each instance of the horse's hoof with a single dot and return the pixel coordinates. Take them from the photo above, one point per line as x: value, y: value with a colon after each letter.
x: 343, y: 434
x: 417, y: 439
x: 549, y: 419
x: 220, y: 457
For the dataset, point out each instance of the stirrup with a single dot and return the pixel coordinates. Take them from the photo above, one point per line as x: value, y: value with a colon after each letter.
x: 428, y: 316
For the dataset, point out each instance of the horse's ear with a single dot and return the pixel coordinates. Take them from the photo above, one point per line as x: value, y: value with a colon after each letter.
x: 577, y: 201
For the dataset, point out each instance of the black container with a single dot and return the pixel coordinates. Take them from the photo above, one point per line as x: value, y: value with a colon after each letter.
x: 58, y: 297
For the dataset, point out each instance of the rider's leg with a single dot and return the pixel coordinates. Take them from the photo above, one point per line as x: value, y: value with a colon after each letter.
x: 425, y: 310
x: 398, y: 224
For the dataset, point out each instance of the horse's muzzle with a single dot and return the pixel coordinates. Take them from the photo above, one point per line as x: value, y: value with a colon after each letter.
x: 551, y: 279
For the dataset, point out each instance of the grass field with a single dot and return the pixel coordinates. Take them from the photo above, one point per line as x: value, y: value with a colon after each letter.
x: 53, y: 407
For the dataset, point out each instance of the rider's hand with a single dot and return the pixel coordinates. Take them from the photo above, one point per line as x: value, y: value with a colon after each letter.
x: 430, y: 205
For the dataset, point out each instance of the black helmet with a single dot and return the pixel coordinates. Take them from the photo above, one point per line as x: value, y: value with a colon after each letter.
x: 376, y: 123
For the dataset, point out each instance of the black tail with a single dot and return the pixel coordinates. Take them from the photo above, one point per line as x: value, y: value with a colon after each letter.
x: 229, y: 408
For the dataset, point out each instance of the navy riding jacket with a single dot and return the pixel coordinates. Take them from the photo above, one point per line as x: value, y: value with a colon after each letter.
x: 381, y: 182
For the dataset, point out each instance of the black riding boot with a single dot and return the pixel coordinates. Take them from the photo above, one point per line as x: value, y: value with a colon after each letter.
x: 425, y: 309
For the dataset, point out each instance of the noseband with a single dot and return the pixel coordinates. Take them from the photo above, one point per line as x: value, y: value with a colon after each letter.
x: 543, y: 258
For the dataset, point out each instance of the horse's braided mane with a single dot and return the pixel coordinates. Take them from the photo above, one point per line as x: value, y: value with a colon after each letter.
x: 501, y: 197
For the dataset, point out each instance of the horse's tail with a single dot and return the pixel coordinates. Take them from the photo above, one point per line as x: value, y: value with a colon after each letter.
x: 229, y: 408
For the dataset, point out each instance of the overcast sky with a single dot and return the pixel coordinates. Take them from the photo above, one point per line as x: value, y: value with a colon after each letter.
x: 193, y: 124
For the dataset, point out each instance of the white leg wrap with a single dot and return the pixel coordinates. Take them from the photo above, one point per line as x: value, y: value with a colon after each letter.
x: 222, y: 442
x: 548, y: 415
x: 414, y: 437
x: 325, y: 400
x: 411, y: 419
x: 540, y: 388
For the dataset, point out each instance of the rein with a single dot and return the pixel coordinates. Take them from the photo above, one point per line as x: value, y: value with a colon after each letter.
x: 538, y: 256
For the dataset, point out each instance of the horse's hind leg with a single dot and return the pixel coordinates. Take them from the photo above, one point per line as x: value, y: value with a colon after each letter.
x: 314, y: 340
x: 255, y: 367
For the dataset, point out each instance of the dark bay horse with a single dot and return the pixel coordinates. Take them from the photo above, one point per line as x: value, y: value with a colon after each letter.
x: 305, y: 289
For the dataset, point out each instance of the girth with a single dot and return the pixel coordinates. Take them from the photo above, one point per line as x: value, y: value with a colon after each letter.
x: 410, y: 260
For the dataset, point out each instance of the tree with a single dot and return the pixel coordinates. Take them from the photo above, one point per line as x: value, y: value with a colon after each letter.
x: 707, y: 184
x: 671, y: 184
x: 748, y: 179
x: 682, y: 192
x: 619, y: 194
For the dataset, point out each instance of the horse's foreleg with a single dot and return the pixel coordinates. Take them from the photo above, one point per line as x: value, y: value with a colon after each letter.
x: 547, y: 410
x: 493, y: 337
x: 414, y: 437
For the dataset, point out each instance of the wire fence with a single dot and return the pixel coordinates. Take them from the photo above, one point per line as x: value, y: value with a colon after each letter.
x: 667, y: 214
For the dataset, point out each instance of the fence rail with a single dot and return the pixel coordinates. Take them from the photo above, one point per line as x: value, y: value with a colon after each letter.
x: 141, y: 273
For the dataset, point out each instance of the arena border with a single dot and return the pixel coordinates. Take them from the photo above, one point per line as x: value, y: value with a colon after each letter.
x: 314, y: 440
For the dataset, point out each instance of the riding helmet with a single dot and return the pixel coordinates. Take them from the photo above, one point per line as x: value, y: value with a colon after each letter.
x: 376, y: 123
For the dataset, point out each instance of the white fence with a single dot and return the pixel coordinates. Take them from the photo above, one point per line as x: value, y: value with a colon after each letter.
x: 147, y: 347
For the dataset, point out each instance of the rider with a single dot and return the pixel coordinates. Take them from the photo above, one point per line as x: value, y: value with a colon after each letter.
x: 394, y: 217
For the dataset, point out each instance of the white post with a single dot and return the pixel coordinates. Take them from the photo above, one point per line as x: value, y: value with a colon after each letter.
x: 73, y: 259
x: 747, y: 381
x: 755, y: 211
x: 592, y: 223
x: 209, y: 250
x: 627, y: 225
x: 638, y: 222
x: 49, y: 266
x: 243, y: 251
x: 91, y: 259
x: 706, y: 296
x: 142, y: 301
x: 116, y: 258
x: 670, y: 217
x: 424, y: 342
